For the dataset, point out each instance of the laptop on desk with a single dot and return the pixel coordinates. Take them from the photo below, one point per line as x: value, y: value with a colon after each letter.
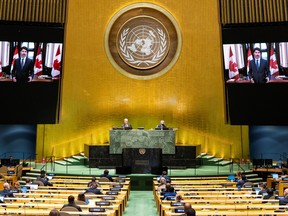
x: 275, y: 175
x: 33, y: 186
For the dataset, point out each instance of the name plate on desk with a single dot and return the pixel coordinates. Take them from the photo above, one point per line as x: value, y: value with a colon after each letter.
x: 164, y: 139
x: 142, y: 162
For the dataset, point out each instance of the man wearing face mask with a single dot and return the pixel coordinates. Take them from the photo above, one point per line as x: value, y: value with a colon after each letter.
x: 259, y: 69
x: 23, y: 68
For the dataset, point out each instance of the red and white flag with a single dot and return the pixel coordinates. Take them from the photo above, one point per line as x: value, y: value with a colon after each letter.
x: 38, y: 66
x: 56, y: 67
x: 15, y: 56
x: 1, y: 68
x: 233, y: 68
x: 249, y: 58
x: 274, y: 69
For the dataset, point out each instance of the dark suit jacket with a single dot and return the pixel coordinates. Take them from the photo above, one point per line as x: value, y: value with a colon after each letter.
x: 45, y: 181
x: 128, y: 126
x: 259, y: 76
x: 72, y: 205
x: 6, y: 193
x: 93, y: 190
x: 283, y: 201
x: 162, y: 126
x: 107, y: 176
x: 22, y: 74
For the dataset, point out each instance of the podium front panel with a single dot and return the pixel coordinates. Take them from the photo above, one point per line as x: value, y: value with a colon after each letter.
x: 164, y: 139
x: 142, y: 159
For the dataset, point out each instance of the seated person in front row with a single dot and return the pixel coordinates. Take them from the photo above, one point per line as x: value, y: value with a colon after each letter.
x: 284, y: 201
x: 93, y: 180
x: 17, y: 187
x: 71, y: 203
x: 162, y: 125
x: 263, y: 188
x: 93, y: 189
x: 164, y: 175
x: 162, y: 184
x: 6, y: 192
x: 106, y: 175
x: 270, y: 194
x: 82, y: 199
x: 241, y: 181
x: 126, y: 124
x: 170, y: 192
x: 189, y: 211
x: 284, y: 173
x: 44, y: 179
x: 54, y: 212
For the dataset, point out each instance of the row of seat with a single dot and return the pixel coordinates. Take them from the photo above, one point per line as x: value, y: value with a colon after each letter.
x: 111, y: 203
x: 215, y: 197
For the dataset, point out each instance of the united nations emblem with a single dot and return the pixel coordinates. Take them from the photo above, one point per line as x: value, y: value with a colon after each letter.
x: 143, y: 42
x: 138, y: 41
x: 142, y: 151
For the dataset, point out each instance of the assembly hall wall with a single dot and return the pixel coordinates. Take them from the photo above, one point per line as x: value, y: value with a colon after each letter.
x: 189, y: 97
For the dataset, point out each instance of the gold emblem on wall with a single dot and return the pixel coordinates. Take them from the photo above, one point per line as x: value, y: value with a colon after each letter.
x: 143, y: 41
x: 142, y: 151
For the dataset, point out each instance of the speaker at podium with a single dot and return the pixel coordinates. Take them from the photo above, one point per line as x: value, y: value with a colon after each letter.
x: 142, y: 160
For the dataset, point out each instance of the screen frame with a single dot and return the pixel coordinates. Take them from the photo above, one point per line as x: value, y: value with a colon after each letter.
x: 245, y: 103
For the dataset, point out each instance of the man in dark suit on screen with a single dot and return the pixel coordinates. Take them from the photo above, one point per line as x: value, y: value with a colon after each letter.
x: 23, y: 68
x: 259, y: 71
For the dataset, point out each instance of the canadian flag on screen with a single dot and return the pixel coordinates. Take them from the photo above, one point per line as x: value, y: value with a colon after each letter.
x: 274, y: 70
x: 56, y: 64
x: 38, y: 66
x: 233, y: 68
x: 15, y: 56
x: 249, y: 58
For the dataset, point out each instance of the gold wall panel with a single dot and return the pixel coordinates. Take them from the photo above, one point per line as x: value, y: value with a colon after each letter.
x: 253, y: 11
x: 49, y: 11
x: 95, y: 96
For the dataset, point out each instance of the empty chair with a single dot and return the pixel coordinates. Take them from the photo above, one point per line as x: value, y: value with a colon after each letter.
x: 247, y: 185
x: 4, y: 170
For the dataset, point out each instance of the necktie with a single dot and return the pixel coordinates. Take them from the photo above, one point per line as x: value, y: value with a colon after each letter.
x: 22, y: 63
x: 257, y: 64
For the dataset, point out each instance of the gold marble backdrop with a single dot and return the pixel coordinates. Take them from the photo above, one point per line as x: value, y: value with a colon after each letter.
x: 95, y: 96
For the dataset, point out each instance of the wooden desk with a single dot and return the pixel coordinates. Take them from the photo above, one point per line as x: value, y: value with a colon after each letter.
x: 268, y: 170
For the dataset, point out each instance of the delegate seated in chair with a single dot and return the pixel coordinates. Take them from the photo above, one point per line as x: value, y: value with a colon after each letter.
x: 93, y: 189
x: 71, y: 206
x: 44, y: 179
x: 170, y: 192
x: 81, y: 199
x: 6, y: 192
x: 105, y: 175
x: 54, y: 212
x: 241, y: 181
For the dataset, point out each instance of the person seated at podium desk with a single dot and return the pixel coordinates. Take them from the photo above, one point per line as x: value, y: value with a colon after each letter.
x: 162, y: 126
x: 126, y: 125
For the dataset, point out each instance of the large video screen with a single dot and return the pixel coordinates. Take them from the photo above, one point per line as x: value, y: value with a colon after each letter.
x: 30, y: 73
x: 255, y: 73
